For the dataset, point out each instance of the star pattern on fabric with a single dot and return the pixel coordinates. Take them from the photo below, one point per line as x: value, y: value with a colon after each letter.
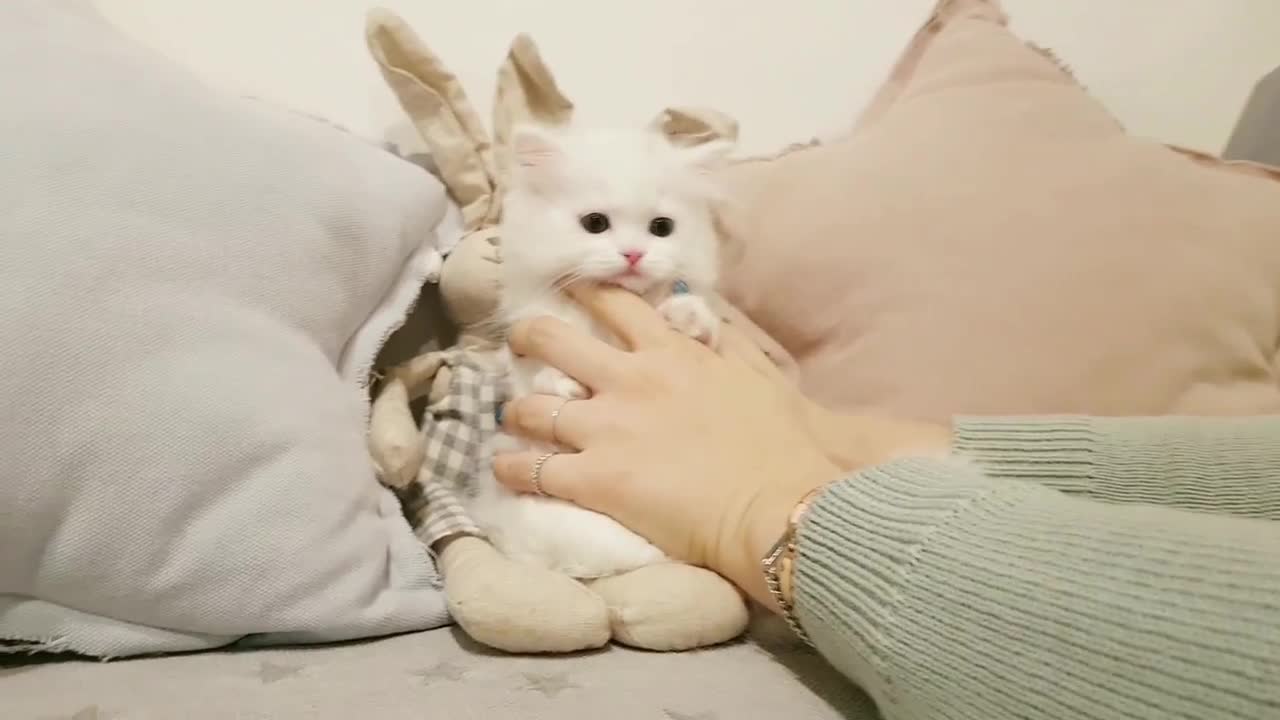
x: 677, y: 715
x: 446, y: 671
x: 549, y: 684
x: 269, y: 672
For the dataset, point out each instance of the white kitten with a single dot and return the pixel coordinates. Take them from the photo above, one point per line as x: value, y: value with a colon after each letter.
x: 624, y: 207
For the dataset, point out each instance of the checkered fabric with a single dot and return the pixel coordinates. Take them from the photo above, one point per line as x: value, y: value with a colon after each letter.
x: 456, y: 430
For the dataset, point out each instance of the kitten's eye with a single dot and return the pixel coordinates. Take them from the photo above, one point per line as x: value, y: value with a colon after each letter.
x: 662, y: 226
x: 594, y: 223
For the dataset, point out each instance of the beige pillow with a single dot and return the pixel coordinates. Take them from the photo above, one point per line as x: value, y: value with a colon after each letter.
x: 988, y: 239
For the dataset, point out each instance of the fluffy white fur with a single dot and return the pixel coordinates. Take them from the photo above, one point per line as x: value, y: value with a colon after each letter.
x: 558, y: 179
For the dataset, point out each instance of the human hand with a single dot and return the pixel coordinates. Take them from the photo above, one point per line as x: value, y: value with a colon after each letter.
x: 701, y: 453
x: 849, y: 441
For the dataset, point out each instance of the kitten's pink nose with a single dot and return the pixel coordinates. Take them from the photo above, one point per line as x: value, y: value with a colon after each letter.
x: 633, y: 256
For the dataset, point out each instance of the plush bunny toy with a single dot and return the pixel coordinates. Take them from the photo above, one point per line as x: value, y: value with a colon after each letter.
x: 509, y: 606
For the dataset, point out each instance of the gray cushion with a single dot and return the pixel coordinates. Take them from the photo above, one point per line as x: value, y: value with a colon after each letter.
x: 1256, y: 137
x: 193, y: 287
x: 439, y: 675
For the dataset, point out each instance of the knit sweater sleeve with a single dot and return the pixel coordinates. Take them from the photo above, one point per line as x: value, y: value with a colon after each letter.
x: 946, y: 592
x: 1229, y: 466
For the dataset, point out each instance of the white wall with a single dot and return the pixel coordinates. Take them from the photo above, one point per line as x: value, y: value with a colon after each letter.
x: 1178, y: 70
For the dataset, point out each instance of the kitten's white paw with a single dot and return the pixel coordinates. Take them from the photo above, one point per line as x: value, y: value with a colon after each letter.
x: 690, y: 314
x: 550, y: 381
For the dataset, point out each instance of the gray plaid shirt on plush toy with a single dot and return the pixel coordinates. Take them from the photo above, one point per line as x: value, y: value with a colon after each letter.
x: 456, y: 429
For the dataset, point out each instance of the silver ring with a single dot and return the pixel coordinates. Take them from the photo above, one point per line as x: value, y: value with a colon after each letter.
x: 555, y: 417
x: 535, y: 477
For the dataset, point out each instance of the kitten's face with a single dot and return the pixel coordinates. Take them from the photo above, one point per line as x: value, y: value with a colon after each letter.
x: 625, y: 208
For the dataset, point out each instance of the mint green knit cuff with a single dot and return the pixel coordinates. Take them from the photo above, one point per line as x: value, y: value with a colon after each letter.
x: 858, y: 543
x: 943, y: 591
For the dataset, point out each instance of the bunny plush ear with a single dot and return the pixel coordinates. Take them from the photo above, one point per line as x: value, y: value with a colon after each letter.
x: 433, y: 99
x: 528, y: 107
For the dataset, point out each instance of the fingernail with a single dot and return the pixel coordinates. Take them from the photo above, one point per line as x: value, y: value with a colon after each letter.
x: 497, y: 414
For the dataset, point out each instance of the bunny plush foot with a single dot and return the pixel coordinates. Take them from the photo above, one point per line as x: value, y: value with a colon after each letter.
x: 672, y: 606
x: 519, y: 608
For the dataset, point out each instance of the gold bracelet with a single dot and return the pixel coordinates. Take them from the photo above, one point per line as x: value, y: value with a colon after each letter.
x: 780, y: 560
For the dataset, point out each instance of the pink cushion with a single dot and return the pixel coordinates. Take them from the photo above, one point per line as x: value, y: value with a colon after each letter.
x: 988, y: 239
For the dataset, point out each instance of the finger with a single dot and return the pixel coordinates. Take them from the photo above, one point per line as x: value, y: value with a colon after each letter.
x: 560, y: 475
x: 628, y: 316
x: 550, y: 419
x: 580, y: 355
x: 735, y: 343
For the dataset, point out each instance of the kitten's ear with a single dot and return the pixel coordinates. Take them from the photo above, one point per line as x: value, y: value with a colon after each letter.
x: 537, y: 158
x: 705, y: 158
x: 700, y: 163
x: 534, y: 147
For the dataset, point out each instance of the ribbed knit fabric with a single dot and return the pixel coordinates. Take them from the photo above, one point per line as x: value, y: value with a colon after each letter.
x: 949, y: 593
x: 1229, y: 466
